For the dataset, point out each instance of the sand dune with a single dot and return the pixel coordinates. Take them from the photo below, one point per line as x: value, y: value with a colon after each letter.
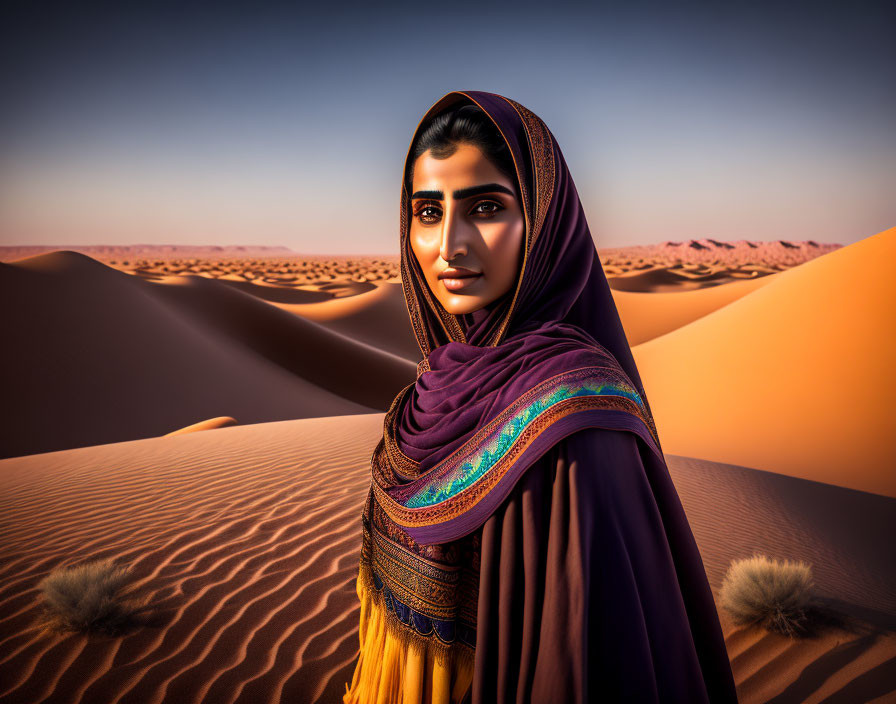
x: 92, y: 355
x: 210, y: 424
x: 246, y: 541
x: 696, y: 264
x: 795, y: 377
x: 649, y: 315
x: 838, y: 531
x: 843, y: 665
x: 127, y: 357
x: 89, y: 335
x: 379, y: 318
x: 662, y: 278
x: 734, y: 511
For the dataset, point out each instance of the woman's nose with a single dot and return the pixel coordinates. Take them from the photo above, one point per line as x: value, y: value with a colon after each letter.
x: 454, y: 239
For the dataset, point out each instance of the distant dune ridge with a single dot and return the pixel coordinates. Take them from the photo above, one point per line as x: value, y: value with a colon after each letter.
x: 210, y: 424
x: 773, y: 253
x: 697, y: 264
x: 122, y: 373
x: 8, y: 253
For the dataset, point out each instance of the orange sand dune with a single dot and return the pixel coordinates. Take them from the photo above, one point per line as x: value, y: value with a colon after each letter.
x: 648, y: 315
x: 663, y: 279
x: 245, y: 539
x: 379, y: 318
x: 796, y: 377
x: 210, y: 424
x: 93, y: 355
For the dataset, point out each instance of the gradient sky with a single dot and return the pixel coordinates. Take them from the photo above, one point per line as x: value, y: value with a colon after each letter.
x: 184, y: 123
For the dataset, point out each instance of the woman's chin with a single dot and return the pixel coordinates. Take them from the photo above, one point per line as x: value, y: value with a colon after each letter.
x: 459, y: 304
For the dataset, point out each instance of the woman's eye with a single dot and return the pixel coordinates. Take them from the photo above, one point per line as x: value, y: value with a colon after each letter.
x: 427, y: 214
x: 490, y: 208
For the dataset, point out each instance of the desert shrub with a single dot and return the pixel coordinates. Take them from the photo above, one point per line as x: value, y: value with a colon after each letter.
x: 771, y: 594
x: 89, y: 597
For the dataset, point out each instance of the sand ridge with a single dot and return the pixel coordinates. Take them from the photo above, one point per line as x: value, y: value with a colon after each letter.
x: 122, y: 358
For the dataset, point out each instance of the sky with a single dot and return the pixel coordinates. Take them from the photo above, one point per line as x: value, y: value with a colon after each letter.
x: 269, y: 124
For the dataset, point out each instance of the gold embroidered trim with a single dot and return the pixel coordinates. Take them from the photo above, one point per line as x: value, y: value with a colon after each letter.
x: 468, y: 497
x: 388, y: 443
x: 427, y: 587
x: 542, y: 148
x: 543, y: 174
x: 446, y: 654
x: 527, y: 216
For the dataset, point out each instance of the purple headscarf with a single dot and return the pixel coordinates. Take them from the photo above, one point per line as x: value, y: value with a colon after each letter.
x: 562, y: 278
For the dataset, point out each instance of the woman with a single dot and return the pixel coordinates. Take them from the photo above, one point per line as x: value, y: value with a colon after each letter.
x: 522, y: 538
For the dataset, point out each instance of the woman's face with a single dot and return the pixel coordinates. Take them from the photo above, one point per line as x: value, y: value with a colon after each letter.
x: 467, y: 228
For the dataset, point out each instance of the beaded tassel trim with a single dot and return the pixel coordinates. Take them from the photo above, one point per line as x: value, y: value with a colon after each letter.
x: 419, y: 597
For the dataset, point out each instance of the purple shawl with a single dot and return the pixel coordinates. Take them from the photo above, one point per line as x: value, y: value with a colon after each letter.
x: 494, y: 391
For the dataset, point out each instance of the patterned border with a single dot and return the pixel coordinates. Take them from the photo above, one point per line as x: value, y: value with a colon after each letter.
x: 455, y: 485
x: 541, y: 146
x: 541, y: 150
x: 420, y: 594
x: 498, y: 445
x: 398, y: 460
x: 425, y: 586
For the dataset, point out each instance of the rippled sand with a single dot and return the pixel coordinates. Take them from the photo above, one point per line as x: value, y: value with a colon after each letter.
x: 245, y: 541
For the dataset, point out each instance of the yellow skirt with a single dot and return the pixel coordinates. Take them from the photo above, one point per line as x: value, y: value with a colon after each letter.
x: 393, y: 671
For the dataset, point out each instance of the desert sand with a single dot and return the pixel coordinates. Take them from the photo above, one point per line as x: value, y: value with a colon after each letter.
x: 245, y: 541
x: 207, y: 416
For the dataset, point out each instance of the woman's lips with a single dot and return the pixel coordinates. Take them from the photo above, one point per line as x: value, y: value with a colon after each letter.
x: 460, y: 282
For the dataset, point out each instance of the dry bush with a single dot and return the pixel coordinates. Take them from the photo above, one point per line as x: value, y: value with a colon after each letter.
x: 771, y: 594
x: 89, y: 597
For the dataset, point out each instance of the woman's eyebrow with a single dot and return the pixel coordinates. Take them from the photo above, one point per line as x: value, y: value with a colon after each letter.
x: 465, y: 192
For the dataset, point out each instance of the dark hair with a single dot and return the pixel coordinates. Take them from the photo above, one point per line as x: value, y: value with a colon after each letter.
x: 465, y: 124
